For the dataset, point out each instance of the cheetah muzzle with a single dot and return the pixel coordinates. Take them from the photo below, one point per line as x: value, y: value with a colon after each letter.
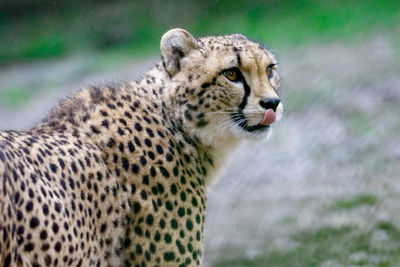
x: 116, y: 175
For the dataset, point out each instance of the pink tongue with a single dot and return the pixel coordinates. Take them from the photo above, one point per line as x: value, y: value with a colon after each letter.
x: 269, y: 117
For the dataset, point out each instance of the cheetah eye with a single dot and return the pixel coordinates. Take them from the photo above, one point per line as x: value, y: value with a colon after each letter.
x: 233, y: 74
x: 270, y: 70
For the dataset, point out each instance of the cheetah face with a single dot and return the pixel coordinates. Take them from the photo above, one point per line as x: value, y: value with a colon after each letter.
x: 226, y: 86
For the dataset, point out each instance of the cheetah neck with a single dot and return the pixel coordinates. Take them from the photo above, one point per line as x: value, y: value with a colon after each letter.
x: 83, y: 116
x: 212, y: 149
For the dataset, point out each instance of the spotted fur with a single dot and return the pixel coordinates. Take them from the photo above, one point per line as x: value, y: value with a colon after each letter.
x: 116, y: 175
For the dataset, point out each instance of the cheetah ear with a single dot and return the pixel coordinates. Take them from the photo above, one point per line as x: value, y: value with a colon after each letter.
x: 176, y: 44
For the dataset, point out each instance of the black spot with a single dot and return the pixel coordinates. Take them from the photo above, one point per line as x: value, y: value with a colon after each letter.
x: 94, y: 129
x: 45, y: 209
x: 43, y: 234
x: 162, y: 223
x: 175, y: 171
x: 137, y: 142
x: 57, y: 246
x: 168, y: 205
x: 181, y: 248
x: 7, y: 260
x: 125, y: 163
x: 143, y: 195
x: 167, y: 238
x: 74, y: 168
x: 138, y: 231
x: 135, y: 168
x: 131, y: 147
x: 139, y: 249
x: 174, y: 189
x: 127, y: 242
x: 169, y: 256
x: 169, y: 157
x: 205, y: 85
x: 53, y: 167
x: 136, y: 207
x: 174, y: 224
x: 61, y: 163
x: 127, y: 114
x: 152, y: 171
x: 121, y: 147
x: 104, y: 123
x: 151, y: 155
x: 183, y: 196
x: 149, y: 132
x: 189, y: 225
x: 194, y: 202
x: 181, y: 212
x: 138, y: 127
x: 145, y: 179
x: 111, y: 106
x: 45, y: 246
x: 55, y: 228
x: 164, y: 172
x: 34, y: 222
x: 159, y: 149
x: 143, y: 160
x: 198, y: 236
x: 29, y: 206
x: 57, y: 207
x: 149, y: 219
x: 157, y: 237
x: 29, y: 246
x: 202, y: 123
x: 147, y: 142
x: 111, y: 142
x: 120, y: 131
x: 187, y: 158
x: 160, y: 188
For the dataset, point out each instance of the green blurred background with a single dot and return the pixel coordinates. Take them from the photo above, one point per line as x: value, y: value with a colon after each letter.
x: 325, y: 190
x: 40, y: 29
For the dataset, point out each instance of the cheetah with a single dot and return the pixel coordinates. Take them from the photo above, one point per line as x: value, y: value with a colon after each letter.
x: 116, y: 175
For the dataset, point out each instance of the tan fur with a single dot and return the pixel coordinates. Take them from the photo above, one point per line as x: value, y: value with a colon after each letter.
x: 116, y: 175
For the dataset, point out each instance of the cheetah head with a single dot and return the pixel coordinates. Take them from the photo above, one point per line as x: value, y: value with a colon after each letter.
x: 224, y: 86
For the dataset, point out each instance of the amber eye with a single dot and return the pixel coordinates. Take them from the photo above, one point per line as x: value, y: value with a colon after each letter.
x: 270, y: 71
x: 232, y: 74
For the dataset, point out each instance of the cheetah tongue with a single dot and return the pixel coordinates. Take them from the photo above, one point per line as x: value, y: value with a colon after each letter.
x: 269, y: 117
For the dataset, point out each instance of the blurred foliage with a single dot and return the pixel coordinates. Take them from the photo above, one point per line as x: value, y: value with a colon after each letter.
x: 14, y: 97
x: 327, y: 246
x: 35, y: 29
x: 357, y: 201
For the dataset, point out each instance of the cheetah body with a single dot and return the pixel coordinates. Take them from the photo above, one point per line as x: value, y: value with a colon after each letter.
x: 116, y: 175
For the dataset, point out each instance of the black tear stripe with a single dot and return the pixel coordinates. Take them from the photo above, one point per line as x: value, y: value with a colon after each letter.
x: 246, y: 95
x: 239, y: 117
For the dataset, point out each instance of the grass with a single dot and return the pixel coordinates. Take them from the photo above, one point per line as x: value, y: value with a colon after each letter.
x: 358, y: 123
x: 343, y: 246
x: 357, y: 201
x: 136, y: 26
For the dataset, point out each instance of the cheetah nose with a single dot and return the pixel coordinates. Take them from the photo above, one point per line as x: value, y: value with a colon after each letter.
x: 270, y: 103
